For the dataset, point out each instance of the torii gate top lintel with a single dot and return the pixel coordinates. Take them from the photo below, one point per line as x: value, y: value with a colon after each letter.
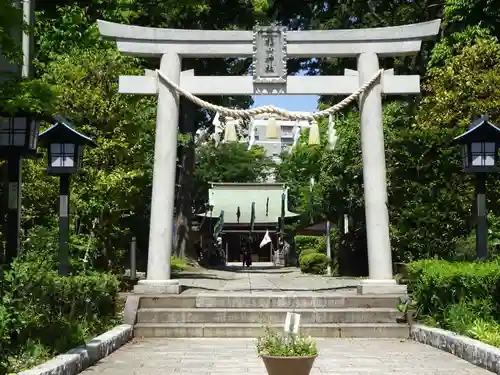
x: 385, y: 41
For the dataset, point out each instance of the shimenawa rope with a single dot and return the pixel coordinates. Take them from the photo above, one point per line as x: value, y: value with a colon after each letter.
x: 270, y: 109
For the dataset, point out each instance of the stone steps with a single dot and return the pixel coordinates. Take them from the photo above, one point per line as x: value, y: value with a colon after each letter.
x: 253, y: 330
x: 233, y: 314
x: 268, y: 301
x: 265, y: 315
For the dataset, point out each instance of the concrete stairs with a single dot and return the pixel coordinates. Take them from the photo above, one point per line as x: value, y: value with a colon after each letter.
x: 246, y: 315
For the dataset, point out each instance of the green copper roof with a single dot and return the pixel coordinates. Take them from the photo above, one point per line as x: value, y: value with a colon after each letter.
x: 230, y: 196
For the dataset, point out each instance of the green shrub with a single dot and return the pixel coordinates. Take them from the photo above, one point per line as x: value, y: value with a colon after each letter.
x: 463, y: 297
x: 305, y: 242
x: 52, y: 314
x: 465, y: 247
x: 315, y: 263
x: 307, y: 250
x: 438, y: 284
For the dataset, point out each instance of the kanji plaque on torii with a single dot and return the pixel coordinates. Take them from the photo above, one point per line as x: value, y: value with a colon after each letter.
x: 269, y: 59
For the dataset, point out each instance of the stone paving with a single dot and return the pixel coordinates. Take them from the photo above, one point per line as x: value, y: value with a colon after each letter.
x: 238, y: 356
x: 171, y: 356
x: 262, y: 277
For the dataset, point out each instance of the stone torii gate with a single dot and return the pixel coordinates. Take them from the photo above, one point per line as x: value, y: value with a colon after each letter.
x: 270, y: 47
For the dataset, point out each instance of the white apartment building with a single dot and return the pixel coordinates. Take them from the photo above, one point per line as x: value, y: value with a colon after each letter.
x: 274, y: 147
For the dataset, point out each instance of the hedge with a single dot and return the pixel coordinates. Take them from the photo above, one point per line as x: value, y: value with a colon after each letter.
x: 44, y: 312
x: 311, y: 253
x: 305, y: 243
x: 463, y: 297
x: 315, y: 263
x: 437, y: 284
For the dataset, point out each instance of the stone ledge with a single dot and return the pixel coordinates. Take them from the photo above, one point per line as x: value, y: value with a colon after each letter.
x: 78, y: 359
x: 473, y: 351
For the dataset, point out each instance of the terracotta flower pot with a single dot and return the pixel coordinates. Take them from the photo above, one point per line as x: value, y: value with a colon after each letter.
x: 288, y: 365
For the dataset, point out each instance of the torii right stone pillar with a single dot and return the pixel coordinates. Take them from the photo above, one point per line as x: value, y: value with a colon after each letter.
x: 380, y: 279
x: 162, y: 202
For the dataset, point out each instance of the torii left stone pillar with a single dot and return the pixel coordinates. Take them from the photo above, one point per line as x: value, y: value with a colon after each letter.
x: 161, y: 221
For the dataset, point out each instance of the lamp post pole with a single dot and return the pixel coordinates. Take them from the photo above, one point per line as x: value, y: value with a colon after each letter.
x: 328, y: 248
x: 64, y: 266
x: 482, y: 218
x: 14, y: 162
x: 13, y: 208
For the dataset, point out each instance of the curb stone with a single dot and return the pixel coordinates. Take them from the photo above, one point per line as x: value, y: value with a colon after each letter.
x: 473, y: 351
x: 78, y: 359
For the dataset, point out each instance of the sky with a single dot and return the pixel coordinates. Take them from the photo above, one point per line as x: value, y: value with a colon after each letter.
x: 300, y: 103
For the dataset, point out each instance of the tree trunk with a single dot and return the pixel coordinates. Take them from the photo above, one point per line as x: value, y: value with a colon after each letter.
x: 184, y: 246
x: 3, y: 205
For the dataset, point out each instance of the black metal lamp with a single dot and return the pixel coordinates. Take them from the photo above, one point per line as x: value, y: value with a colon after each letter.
x: 479, y: 146
x: 18, y: 139
x: 18, y: 134
x: 65, y: 147
x: 65, y: 154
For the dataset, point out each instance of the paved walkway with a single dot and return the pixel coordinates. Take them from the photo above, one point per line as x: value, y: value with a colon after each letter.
x: 238, y: 356
x: 262, y: 277
x: 171, y: 356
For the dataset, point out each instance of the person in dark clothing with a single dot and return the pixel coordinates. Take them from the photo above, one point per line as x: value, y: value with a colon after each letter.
x: 247, y: 253
x: 199, y: 251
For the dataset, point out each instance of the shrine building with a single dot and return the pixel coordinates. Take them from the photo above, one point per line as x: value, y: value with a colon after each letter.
x: 236, y: 200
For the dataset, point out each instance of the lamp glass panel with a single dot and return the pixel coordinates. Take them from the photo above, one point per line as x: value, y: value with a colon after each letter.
x: 4, y: 131
x: 55, y: 148
x: 20, y: 124
x: 56, y: 161
x: 483, y: 154
x: 18, y: 139
x: 489, y: 154
x: 69, y: 161
x: 477, y: 154
x: 17, y: 130
x: 69, y: 154
x: 62, y: 155
x: 55, y: 155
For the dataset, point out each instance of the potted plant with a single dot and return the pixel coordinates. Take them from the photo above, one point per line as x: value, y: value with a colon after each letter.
x: 286, y: 355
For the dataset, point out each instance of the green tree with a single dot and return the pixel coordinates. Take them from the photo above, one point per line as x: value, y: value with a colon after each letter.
x: 111, y: 197
x: 297, y: 168
x: 11, y: 23
x: 228, y: 162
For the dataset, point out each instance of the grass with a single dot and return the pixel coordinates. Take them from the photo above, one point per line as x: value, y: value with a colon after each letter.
x: 179, y: 264
x: 34, y: 353
x: 475, y: 320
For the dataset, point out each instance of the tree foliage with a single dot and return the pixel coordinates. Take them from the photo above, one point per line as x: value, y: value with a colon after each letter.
x: 228, y: 162
x: 10, y: 26
x: 110, y: 198
x: 76, y: 73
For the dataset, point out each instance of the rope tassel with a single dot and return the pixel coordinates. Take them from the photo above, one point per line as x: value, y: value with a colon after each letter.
x: 332, y: 134
x: 251, y: 135
x: 314, y: 134
x: 272, y: 129
x: 230, y: 132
